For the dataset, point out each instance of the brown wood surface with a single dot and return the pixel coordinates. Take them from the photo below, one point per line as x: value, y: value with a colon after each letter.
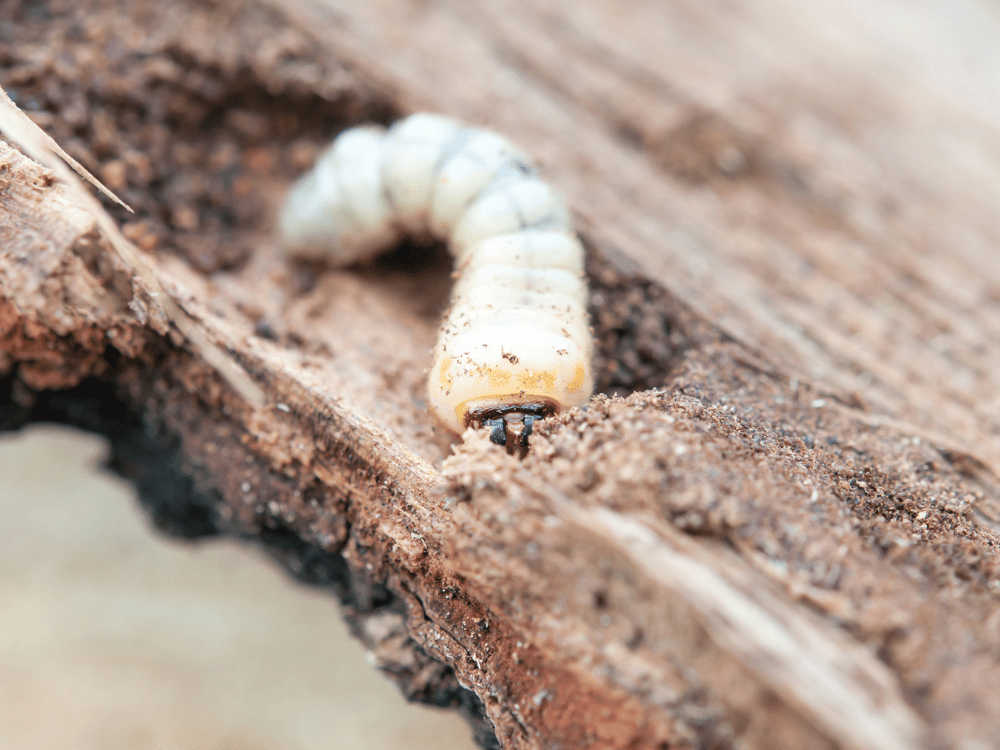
x: 776, y: 529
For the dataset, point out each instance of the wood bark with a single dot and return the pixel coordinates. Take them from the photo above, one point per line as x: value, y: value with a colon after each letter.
x: 776, y: 527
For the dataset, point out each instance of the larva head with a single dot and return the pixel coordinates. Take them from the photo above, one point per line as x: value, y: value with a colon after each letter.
x: 510, y: 426
x: 508, y: 364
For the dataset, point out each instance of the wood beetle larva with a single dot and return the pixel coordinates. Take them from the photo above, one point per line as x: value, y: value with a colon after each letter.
x: 515, y: 345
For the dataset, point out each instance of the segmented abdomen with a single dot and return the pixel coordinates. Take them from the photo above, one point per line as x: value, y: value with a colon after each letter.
x: 516, y: 335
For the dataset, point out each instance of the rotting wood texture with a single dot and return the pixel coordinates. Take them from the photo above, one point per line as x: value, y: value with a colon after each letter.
x: 776, y: 530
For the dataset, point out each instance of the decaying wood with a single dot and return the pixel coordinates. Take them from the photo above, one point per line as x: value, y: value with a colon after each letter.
x: 782, y: 536
x: 40, y: 146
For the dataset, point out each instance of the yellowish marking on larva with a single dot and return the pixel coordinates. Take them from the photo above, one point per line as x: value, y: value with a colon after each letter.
x: 496, y: 375
x: 444, y: 370
x: 578, y: 377
x: 540, y: 380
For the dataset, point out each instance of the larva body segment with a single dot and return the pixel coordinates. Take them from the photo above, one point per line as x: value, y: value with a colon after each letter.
x: 515, y: 345
x: 468, y: 165
x: 517, y: 207
x: 410, y: 166
x: 340, y: 209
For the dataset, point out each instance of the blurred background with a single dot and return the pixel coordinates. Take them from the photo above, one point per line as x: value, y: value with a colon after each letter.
x: 112, y: 638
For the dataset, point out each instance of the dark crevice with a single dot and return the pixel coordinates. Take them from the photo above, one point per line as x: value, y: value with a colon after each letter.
x: 639, y: 339
x: 305, y: 562
x: 146, y: 457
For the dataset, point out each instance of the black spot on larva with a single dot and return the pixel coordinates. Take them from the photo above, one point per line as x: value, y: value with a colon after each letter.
x: 520, y: 166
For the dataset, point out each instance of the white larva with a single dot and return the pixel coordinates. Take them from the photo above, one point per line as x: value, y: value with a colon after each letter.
x: 515, y: 345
